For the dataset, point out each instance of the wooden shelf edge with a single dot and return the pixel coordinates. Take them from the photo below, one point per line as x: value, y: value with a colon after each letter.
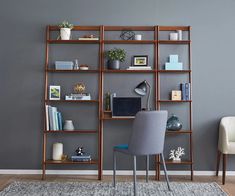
x: 179, y: 132
x: 129, y: 41
x: 184, y: 162
x: 128, y: 71
x: 72, y: 132
x: 67, y: 162
x: 174, y: 101
x: 174, y: 71
x: 74, y: 41
x: 174, y: 41
x: 73, y: 101
x: 73, y: 71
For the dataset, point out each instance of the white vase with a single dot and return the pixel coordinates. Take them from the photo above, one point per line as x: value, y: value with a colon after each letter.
x: 68, y: 125
x: 65, y: 33
x: 57, y: 151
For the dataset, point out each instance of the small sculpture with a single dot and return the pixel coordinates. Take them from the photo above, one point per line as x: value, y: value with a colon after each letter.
x: 79, y: 88
x: 127, y: 35
x: 176, y: 154
x: 79, y: 151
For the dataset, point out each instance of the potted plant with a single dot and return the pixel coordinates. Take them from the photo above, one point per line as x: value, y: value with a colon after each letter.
x: 115, y: 56
x: 65, y: 30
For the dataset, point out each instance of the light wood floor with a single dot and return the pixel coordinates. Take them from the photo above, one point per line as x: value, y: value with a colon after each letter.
x: 229, y: 187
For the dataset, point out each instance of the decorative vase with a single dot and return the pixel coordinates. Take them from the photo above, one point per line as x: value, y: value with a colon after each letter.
x: 65, y: 33
x: 57, y: 151
x: 114, y: 64
x: 173, y: 123
x: 68, y: 125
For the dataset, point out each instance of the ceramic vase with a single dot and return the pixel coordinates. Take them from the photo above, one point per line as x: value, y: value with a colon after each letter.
x: 68, y: 125
x: 65, y: 33
x: 114, y: 64
x: 173, y: 123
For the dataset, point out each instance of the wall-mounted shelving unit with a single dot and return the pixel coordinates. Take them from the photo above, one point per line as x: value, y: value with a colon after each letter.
x: 101, y: 71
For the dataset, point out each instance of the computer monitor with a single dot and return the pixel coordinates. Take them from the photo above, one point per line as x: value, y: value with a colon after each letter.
x: 126, y: 106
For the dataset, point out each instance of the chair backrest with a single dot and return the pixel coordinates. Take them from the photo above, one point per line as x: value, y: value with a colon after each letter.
x: 229, y: 125
x: 148, y: 133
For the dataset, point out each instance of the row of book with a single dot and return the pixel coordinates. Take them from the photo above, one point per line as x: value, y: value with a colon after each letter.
x: 186, y: 91
x: 84, y: 157
x: 53, y: 118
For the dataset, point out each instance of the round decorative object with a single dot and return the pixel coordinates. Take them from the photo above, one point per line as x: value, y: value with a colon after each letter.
x: 173, y: 123
x: 127, y: 35
x: 79, y: 88
x: 79, y: 151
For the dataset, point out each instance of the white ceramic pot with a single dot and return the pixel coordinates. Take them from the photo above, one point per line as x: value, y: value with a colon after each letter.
x: 173, y: 36
x: 65, y: 33
x: 57, y: 151
x: 138, y: 37
x: 68, y: 125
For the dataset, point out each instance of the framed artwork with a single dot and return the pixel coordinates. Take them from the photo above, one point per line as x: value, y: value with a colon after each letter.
x: 54, y: 92
x: 141, y: 60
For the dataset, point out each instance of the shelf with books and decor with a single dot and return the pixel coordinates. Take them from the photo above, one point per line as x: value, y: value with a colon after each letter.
x: 185, y: 96
x: 155, y: 71
x: 53, y: 123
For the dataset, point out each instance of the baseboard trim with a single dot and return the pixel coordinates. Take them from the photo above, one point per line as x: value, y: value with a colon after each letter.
x: 109, y: 172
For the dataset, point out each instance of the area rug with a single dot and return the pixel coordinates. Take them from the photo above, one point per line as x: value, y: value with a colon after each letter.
x: 36, y: 188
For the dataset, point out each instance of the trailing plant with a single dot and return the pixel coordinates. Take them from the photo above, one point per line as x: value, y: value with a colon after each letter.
x: 66, y: 24
x: 116, y: 54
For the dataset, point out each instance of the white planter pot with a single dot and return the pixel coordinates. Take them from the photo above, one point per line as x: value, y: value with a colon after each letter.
x: 65, y: 33
x: 176, y: 159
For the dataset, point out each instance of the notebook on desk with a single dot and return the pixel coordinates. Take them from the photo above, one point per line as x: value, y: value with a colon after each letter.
x: 126, y: 107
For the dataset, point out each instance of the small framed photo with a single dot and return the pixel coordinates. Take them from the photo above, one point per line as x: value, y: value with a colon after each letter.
x: 54, y: 92
x: 141, y: 60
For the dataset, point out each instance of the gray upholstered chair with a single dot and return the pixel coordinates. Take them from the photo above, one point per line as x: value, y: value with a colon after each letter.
x: 147, y: 138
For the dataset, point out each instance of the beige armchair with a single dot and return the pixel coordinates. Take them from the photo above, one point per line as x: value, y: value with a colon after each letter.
x: 226, y: 144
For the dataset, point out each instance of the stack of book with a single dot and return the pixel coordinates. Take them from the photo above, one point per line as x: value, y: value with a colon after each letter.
x: 84, y: 157
x: 53, y: 119
x: 186, y: 91
x: 139, y: 68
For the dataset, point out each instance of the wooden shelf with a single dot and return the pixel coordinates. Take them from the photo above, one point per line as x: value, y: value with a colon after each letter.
x: 183, y: 162
x: 174, y: 41
x: 73, y: 101
x: 116, y: 118
x: 52, y: 162
x: 73, y: 41
x: 73, y: 71
x: 72, y: 132
x: 174, y: 71
x: 77, y: 28
x: 174, y: 101
x: 128, y: 71
x: 129, y: 41
x: 174, y: 28
x: 179, y: 132
x: 129, y: 28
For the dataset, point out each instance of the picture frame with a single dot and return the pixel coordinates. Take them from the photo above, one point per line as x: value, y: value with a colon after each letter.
x: 54, y: 92
x: 140, y: 60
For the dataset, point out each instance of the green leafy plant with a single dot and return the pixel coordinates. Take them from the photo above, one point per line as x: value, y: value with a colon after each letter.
x: 66, y: 24
x: 116, y: 54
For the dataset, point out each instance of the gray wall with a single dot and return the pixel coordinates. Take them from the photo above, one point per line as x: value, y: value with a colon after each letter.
x: 22, y: 44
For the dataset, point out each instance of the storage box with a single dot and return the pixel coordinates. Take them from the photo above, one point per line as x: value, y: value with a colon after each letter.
x: 173, y: 66
x: 61, y: 65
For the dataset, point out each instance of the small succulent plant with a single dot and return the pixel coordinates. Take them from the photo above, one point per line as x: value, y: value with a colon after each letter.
x: 66, y: 24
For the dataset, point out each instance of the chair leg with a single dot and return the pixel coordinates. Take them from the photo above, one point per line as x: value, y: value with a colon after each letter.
x: 134, y: 175
x: 218, y: 162
x: 147, y: 168
x: 224, y: 167
x: 114, y: 168
x: 165, y: 171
